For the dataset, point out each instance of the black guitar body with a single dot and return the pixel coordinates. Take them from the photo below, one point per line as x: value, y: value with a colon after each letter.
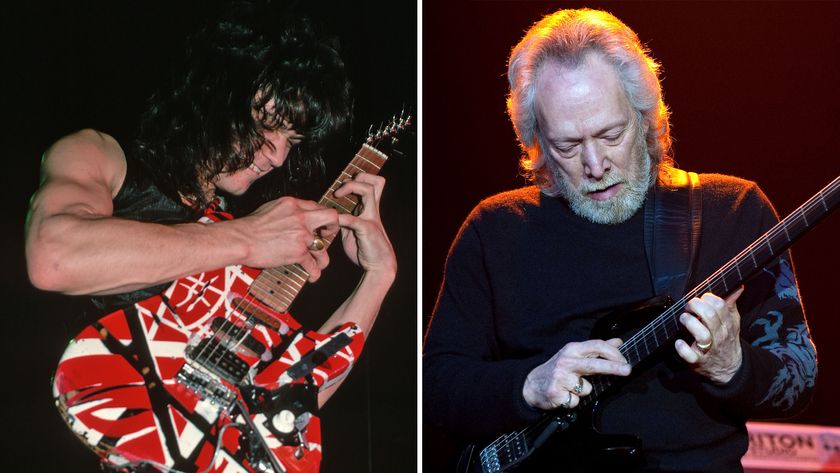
x: 579, y: 443
x: 578, y: 449
x: 580, y: 446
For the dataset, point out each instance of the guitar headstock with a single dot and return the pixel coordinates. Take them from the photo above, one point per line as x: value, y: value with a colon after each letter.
x: 389, y: 133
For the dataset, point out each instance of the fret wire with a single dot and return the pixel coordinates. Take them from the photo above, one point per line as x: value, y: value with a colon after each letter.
x: 290, y: 273
x: 327, y: 199
x: 335, y: 185
x: 280, y: 290
x: 278, y: 287
x: 298, y: 269
x: 261, y: 290
x: 670, y: 317
x: 361, y: 166
x: 369, y: 161
x: 350, y: 200
x: 270, y: 293
x: 374, y: 155
x: 274, y: 291
x: 667, y: 329
x: 283, y: 278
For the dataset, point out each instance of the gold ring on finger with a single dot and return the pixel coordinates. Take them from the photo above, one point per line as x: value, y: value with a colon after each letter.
x: 317, y: 244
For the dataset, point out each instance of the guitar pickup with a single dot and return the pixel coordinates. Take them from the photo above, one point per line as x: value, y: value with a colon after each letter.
x: 217, y: 359
x: 236, y: 338
x: 252, y: 309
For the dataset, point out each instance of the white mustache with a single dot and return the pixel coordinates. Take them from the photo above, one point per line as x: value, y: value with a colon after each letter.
x: 606, y: 182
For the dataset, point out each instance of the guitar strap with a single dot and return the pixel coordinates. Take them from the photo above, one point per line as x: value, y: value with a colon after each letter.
x: 672, y: 230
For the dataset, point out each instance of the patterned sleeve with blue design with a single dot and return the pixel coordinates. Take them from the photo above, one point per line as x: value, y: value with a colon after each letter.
x: 779, y: 328
x: 779, y: 367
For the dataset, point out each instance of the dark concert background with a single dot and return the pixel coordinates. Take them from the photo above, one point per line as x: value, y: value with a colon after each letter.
x: 73, y: 65
x: 752, y: 88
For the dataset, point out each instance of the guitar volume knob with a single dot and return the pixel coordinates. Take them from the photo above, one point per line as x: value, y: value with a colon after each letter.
x: 284, y: 421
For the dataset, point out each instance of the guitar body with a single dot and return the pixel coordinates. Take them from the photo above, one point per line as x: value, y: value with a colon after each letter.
x: 156, y: 383
x: 570, y: 434
x: 580, y: 438
x: 577, y: 442
x: 213, y: 374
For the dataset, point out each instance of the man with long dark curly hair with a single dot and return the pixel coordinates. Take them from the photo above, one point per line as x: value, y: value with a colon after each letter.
x: 256, y: 98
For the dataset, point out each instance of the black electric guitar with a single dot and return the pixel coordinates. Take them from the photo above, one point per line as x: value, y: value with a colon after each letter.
x: 511, y: 449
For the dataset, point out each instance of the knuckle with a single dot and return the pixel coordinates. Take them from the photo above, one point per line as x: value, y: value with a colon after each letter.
x: 555, y: 393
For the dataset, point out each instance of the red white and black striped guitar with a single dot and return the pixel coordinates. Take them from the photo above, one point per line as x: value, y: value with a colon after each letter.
x: 213, y: 374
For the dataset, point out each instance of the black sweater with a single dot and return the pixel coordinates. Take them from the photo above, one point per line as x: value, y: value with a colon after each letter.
x: 520, y: 282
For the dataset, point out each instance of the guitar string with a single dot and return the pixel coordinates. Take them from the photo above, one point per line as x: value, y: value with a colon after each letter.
x: 330, y: 191
x: 801, y: 212
x: 734, y: 264
x: 249, y: 307
x: 357, y: 162
x: 391, y: 129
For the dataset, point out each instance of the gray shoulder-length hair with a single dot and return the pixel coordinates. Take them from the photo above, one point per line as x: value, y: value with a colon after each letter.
x: 567, y: 36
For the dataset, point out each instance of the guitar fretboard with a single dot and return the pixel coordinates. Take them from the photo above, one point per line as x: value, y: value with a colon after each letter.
x: 510, y: 449
x: 728, y: 278
x: 278, y: 287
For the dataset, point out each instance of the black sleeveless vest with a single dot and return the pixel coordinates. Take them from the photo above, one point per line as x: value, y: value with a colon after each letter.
x: 140, y: 199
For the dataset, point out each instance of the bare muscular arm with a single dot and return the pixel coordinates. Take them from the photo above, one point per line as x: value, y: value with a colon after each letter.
x: 74, y: 245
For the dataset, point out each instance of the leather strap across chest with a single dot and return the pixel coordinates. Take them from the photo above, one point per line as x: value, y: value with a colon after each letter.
x: 672, y: 230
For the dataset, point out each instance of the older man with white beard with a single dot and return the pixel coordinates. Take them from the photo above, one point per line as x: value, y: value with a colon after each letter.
x: 533, y: 269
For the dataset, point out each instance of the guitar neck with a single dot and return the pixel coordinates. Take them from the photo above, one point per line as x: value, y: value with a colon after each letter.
x: 510, y: 449
x: 729, y: 277
x: 278, y: 287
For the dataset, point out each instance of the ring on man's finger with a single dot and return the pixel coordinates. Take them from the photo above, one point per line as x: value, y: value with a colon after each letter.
x: 579, y: 386
x: 317, y: 244
x: 704, y: 347
x: 568, y: 403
